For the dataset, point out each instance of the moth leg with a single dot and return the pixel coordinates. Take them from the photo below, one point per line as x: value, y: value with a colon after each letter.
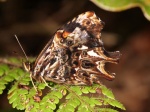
x: 33, y: 82
x: 45, y: 82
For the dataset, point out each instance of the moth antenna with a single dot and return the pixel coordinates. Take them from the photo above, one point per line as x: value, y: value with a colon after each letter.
x: 26, y: 59
x: 21, y: 47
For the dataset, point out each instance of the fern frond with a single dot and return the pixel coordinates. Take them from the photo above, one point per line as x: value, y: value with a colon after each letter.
x: 59, y: 98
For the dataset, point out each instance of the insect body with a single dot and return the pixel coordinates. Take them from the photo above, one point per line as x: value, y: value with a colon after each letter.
x: 75, y: 54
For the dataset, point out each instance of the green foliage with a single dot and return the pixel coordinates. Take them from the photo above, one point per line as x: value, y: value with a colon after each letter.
x: 119, y: 5
x: 60, y: 98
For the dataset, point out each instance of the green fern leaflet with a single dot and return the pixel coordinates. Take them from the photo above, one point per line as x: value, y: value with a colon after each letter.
x: 58, y: 98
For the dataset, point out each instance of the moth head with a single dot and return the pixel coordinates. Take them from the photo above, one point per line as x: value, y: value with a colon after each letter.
x: 27, y: 66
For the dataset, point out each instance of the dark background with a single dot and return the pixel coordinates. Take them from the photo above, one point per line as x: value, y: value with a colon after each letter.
x: 35, y: 21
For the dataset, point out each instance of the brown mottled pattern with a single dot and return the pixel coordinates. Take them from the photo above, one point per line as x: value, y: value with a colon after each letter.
x: 75, y: 55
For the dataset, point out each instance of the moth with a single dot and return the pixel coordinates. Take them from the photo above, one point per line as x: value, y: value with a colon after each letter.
x: 75, y: 55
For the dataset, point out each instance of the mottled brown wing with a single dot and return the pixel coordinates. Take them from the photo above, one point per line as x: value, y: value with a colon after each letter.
x: 75, y: 55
